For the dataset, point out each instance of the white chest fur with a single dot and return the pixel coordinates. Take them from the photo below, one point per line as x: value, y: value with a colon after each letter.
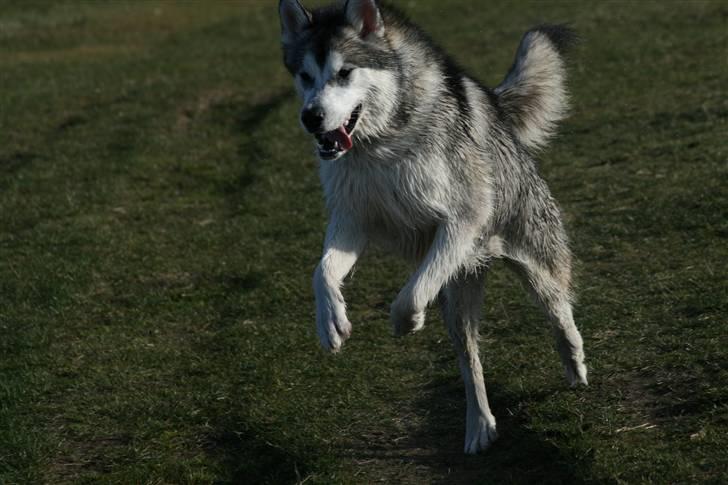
x: 388, y: 198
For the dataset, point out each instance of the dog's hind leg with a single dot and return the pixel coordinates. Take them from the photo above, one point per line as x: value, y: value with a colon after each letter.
x: 545, y: 267
x: 461, y: 302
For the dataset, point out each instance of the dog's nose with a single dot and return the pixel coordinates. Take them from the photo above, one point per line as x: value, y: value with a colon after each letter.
x: 312, y: 119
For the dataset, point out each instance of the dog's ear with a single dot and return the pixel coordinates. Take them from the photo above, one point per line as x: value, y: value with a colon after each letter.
x: 365, y: 17
x: 294, y: 18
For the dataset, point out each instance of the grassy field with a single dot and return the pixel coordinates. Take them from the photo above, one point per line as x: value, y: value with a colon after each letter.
x: 160, y: 218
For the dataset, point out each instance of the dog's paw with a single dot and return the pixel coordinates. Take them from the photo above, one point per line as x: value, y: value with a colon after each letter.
x: 333, y: 330
x: 479, y: 435
x: 333, y: 327
x: 576, y: 373
x: 404, y: 320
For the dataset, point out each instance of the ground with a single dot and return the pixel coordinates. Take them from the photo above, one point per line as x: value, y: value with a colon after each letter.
x: 160, y: 218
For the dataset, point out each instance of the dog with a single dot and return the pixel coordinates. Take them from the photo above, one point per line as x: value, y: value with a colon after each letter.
x: 418, y: 155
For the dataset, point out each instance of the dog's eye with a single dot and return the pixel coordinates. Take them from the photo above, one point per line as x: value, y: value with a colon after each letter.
x: 306, y: 78
x: 344, y: 74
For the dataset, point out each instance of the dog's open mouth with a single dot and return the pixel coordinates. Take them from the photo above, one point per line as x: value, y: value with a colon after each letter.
x: 335, y: 143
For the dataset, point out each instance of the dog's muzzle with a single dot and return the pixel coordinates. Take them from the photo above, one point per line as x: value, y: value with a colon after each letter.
x: 335, y: 143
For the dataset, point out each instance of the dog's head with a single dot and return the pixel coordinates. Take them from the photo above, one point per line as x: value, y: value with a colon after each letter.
x: 343, y: 69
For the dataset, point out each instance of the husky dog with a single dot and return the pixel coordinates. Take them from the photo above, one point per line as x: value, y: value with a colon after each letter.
x: 418, y: 155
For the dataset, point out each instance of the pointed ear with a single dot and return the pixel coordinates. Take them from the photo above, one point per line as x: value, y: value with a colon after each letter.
x: 294, y: 18
x: 365, y: 17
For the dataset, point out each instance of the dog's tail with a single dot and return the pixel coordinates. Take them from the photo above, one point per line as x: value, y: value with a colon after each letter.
x: 533, y: 94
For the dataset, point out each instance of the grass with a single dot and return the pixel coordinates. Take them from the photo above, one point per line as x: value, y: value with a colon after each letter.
x: 160, y: 217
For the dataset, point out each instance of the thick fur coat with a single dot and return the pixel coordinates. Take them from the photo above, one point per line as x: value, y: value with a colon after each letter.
x: 421, y: 157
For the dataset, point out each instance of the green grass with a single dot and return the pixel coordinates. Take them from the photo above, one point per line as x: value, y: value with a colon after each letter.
x: 160, y: 218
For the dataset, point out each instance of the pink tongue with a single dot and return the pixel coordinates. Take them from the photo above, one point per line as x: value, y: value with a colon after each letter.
x: 342, y: 137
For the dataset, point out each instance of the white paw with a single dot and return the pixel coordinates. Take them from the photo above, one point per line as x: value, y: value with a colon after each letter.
x: 576, y: 373
x: 479, y: 434
x: 404, y: 320
x: 333, y: 327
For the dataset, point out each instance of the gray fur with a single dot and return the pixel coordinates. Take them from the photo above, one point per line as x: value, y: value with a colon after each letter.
x: 533, y: 94
x: 441, y: 170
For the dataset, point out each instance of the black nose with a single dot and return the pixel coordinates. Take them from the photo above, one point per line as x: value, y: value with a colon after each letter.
x: 312, y: 119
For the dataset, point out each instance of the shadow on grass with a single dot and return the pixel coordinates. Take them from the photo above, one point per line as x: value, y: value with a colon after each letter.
x: 255, y: 115
x: 11, y: 163
x: 519, y: 455
x: 252, y: 150
x: 244, y: 449
x: 248, y: 458
x: 434, y: 449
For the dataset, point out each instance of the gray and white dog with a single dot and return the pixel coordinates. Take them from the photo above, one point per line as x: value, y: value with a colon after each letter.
x: 418, y: 155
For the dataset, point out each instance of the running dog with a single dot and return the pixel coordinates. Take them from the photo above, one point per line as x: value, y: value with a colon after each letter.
x: 418, y: 155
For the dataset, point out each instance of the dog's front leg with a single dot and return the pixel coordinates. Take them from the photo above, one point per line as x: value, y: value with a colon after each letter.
x: 451, y: 250
x: 344, y: 242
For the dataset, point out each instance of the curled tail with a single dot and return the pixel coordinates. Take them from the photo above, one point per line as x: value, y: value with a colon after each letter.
x: 533, y: 94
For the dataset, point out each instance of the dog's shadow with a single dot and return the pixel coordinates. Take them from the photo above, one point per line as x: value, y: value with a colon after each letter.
x: 434, y: 448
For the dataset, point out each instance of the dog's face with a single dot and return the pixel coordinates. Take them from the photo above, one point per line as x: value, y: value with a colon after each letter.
x: 343, y: 70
